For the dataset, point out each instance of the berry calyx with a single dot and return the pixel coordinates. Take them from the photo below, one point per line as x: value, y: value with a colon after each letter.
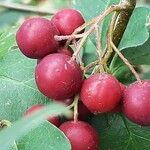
x: 67, y: 20
x: 35, y: 38
x: 81, y: 135
x: 136, y: 102
x: 52, y: 119
x: 101, y: 93
x: 58, y: 76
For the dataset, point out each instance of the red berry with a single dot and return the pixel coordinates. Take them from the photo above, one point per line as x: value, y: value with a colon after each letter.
x: 35, y: 38
x: 136, y: 102
x: 54, y: 120
x: 118, y: 108
x: 67, y: 51
x: 58, y: 76
x: 67, y: 20
x: 101, y: 93
x: 83, y: 112
x: 81, y: 135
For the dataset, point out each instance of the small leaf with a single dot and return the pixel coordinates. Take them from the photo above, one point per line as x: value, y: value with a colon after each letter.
x: 51, y: 138
x: 21, y: 127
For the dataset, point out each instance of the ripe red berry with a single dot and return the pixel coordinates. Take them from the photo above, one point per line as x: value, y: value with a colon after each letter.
x: 81, y: 135
x: 35, y: 37
x: 101, y: 93
x: 83, y: 112
x: 67, y: 20
x: 136, y: 102
x: 52, y: 119
x: 67, y: 51
x: 58, y: 76
x: 118, y: 108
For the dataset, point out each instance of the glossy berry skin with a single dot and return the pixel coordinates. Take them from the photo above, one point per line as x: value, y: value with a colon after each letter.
x: 83, y: 112
x: 54, y: 120
x: 118, y: 108
x: 67, y: 20
x: 136, y: 103
x: 67, y: 51
x: 101, y: 93
x: 35, y: 38
x: 81, y: 135
x: 58, y: 76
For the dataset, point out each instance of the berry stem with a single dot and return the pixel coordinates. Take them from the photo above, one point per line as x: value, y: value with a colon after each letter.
x: 76, y: 99
x: 70, y: 37
x: 91, y: 65
x: 25, y: 8
x: 126, y: 62
x: 98, y: 41
x: 98, y: 20
x: 109, y: 50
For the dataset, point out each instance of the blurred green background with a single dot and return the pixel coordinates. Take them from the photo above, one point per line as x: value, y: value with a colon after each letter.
x: 9, y: 17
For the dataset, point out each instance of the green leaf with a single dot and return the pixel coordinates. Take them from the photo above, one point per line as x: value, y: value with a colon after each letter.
x: 89, y: 52
x: 90, y: 9
x: 17, y: 83
x: 118, y: 133
x: 7, y: 41
x: 136, y: 33
x: 50, y: 139
x: 135, y: 45
x: 23, y: 126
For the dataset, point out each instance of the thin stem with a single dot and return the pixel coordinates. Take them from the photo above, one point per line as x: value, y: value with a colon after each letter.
x: 109, y: 50
x: 70, y: 37
x: 99, y: 19
x: 126, y: 62
x: 76, y: 99
x: 82, y: 42
x: 26, y: 8
x: 122, y: 22
x: 98, y: 41
x: 91, y: 65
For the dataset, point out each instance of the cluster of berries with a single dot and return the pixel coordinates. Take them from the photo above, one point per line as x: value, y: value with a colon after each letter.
x: 59, y: 77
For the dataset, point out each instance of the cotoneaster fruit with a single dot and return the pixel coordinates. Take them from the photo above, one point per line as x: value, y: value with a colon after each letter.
x: 81, y: 135
x: 35, y: 37
x: 67, y: 20
x: 101, y: 93
x: 58, y: 76
x: 118, y: 108
x: 136, y: 103
x: 52, y: 119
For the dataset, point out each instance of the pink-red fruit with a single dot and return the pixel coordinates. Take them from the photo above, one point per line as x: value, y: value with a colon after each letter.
x: 136, y: 103
x: 58, y: 76
x: 81, y: 135
x: 118, y: 108
x: 101, y: 93
x: 35, y: 38
x: 67, y: 20
x: 52, y: 119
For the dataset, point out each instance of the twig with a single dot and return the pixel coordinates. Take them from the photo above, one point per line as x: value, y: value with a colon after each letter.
x: 121, y: 25
x: 25, y: 8
x: 76, y: 99
x: 109, y: 50
x: 126, y: 62
x: 99, y: 19
x: 71, y: 37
